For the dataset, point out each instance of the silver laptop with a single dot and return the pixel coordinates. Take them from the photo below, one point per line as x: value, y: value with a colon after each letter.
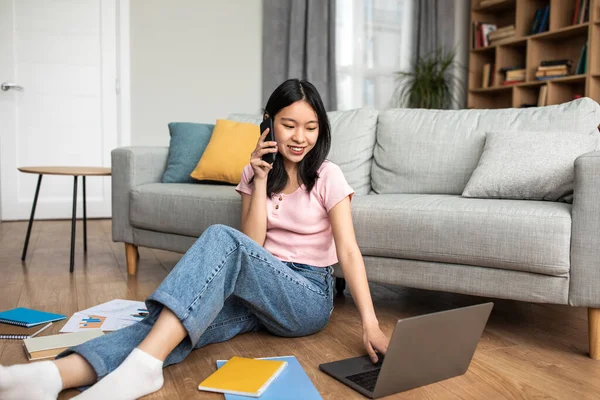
x: 423, y: 350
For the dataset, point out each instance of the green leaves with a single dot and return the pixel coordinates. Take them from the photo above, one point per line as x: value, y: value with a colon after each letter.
x: 430, y: 83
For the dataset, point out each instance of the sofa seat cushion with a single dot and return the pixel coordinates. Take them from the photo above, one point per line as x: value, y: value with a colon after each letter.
x: 529, y: 236
x: 184, y: 209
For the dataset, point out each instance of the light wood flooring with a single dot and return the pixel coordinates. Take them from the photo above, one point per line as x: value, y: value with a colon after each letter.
x: 528, y: 351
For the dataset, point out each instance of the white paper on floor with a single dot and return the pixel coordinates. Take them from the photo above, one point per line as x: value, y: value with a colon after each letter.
x: 110, y: 316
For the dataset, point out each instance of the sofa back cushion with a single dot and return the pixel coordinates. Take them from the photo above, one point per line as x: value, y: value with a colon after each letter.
x: 352, y: 142
x: 436, y: 151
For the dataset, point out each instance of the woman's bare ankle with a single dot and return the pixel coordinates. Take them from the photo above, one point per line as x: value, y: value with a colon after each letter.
x: 75, y: 371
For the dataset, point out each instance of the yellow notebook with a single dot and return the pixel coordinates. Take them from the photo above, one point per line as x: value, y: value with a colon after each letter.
x: 243, y: 376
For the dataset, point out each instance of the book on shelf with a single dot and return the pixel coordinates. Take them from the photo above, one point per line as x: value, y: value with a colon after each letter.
x: 581, y: 11
x: 541, y: 20
x: 582, y: 63
x: 554, y: 71
x: 542, y: 96
x: 487, y: 76
x: 486, y: 3
x: 481, y: 31
x: 501, y: 34
x: 547, y: 78
x: 548, y: 63
x: 535, y: 25
x: 550, y: 69
x: 513, y: 74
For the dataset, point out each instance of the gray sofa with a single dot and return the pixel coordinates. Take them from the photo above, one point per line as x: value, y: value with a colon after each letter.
x: 409, y: 169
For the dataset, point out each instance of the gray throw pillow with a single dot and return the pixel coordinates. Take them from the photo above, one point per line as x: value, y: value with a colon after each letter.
x: 528, y: 165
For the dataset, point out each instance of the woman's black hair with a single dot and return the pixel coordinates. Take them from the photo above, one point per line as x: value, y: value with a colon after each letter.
x: 286, y: 94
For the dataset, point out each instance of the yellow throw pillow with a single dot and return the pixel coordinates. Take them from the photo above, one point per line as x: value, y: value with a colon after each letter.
x: 228, y: 152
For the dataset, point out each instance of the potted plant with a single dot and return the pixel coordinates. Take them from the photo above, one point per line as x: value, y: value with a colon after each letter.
x: 432, y: 82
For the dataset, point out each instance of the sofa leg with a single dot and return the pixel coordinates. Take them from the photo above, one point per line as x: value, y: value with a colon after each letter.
x: 131, y: 251
x: 594, y: 332
x: 340, y: 285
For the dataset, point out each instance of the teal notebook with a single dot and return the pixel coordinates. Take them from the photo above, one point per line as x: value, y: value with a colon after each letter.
x: 291, y: 384
x: 27, y: 317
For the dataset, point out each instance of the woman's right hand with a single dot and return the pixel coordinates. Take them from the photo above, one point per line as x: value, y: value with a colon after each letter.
x: 261, y: 168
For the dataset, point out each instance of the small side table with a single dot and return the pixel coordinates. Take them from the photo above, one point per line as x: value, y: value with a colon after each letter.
x: 70, y: 171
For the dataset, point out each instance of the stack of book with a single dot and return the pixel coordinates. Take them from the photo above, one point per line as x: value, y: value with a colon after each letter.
x: 274, y: 378
x: 551, y: 69
x: 513, y: 75
x: 500, y: 34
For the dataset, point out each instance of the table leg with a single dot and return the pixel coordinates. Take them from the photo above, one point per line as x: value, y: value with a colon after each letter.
x: 35, y: 198
x: 73, y: 223
x: 84, y: 218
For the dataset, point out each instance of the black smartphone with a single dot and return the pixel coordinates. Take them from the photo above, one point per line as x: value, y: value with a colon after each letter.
x: 268, y: 123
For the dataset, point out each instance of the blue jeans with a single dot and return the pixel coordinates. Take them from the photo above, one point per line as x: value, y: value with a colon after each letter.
x: 225, y: 285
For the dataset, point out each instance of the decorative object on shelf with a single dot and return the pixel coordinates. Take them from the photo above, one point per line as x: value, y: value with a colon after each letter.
x: 430, y: 83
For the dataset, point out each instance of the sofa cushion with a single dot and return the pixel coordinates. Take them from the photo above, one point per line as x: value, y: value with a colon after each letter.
x: 184, y: 209
x: 186, y: 146
x: 528, y: 165
x: 352, y: 142
x: 436, y: 151
x: 523, y: 235
x: 227, y: 152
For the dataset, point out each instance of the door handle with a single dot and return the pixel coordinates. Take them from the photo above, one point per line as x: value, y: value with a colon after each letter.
x: 7, y: 86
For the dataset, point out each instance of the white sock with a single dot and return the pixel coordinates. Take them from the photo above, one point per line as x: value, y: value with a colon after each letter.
x: 140, y: 374
x: 38, y: 380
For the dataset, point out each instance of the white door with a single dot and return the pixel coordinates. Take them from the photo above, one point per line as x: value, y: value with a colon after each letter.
x: 63, y: 54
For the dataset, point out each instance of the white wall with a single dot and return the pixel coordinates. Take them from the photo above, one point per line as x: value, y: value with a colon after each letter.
x: 192, y: 60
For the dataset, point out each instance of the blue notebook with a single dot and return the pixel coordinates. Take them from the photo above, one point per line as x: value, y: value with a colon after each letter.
x: 27, y: 317
x: 292, y: 384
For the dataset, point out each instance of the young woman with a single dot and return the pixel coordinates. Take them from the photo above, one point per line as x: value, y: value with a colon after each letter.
x: 275, y: 274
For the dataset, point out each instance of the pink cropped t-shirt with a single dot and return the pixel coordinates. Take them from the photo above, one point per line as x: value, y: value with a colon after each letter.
x: 298, y: 227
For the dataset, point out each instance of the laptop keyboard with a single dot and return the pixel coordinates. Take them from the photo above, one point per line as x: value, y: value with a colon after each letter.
x: 366, y: 380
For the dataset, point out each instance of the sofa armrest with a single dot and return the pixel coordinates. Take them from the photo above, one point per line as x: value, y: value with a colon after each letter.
x: 132, y: 166
x: 585, y: 235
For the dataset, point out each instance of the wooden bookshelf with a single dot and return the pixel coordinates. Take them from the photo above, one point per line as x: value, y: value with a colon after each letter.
x: 562, y: 40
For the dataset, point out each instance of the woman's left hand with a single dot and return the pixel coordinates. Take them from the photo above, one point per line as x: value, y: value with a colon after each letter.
x: 374, y: 340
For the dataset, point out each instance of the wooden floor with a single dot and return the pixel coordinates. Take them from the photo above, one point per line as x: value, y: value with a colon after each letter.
x: 527, y: 350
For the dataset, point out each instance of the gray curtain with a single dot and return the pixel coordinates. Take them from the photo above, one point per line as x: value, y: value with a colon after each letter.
x: 299, y: 42
x: 434, y: 26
